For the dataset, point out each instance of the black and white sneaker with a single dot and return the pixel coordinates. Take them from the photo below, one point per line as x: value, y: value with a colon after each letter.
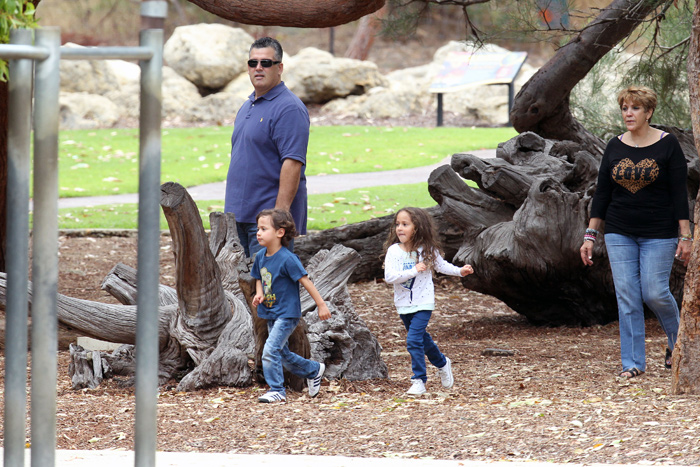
x: 315, y: 382
x: 271, y: 397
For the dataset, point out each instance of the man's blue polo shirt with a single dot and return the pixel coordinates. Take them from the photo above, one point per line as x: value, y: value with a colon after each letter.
x: 267, y: 131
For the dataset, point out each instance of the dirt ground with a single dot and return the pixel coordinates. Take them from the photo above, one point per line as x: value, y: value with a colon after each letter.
x: 556, y: 399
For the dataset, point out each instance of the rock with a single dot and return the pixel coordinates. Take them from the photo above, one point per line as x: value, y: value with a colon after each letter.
x: 214, y: 108
x: 81, y: 110
x: 408, y: 93
x: 317, y: 77
x: 346, y: 87
x: 208, y: 55
x: 125, y: 73
x: 178, y: 96
x: 240, y: 86
x: 380, y: 102
x: 87, y: 76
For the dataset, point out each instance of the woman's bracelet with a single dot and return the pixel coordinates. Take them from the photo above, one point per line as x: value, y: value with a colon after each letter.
x: 686, y: 238
x: 591, y: 234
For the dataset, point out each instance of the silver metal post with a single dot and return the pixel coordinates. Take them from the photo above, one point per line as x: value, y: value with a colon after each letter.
x: 148, y: 251
x: 19, y: 134
x: 45, y: 251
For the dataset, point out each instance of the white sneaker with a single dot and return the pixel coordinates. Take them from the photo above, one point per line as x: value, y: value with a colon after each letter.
x: 446, y: 374
x: 271, y: 397
x: 417, y: 388
x: 315, y: 382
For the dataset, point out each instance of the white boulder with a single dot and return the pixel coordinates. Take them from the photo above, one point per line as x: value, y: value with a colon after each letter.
x: 215, y: 109
x: 90, y: 76
x: 208, y: 55
x: 80, y: 110
x: 316, y: 76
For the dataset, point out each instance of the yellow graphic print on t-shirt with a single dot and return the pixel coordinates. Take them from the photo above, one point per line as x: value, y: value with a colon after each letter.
x: 269, y: 298
x: 633, y: 176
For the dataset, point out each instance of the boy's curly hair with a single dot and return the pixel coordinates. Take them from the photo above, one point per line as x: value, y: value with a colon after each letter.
x: 424, y: 235
x: 280, y: 219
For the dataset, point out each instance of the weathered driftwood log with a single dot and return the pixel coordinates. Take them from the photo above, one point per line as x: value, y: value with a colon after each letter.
x: 521, y: 230
x: 531, y: 261
x: 87, y: 368
x: 206, y: 328
x: 344, y: 342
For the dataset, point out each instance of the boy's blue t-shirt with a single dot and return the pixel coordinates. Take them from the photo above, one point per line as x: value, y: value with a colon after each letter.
x: 280, y: 274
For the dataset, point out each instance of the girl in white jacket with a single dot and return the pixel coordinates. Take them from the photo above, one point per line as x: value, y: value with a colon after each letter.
x: 412, y: 253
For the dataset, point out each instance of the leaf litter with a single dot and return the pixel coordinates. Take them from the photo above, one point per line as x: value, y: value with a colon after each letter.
x: 555, y: 399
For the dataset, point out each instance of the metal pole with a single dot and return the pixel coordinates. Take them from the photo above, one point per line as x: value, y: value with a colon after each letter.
x: 45, y: 257
x: 148, y: 252
x: 18, y: 156
x: 439, y: 109
x: 511, y: 99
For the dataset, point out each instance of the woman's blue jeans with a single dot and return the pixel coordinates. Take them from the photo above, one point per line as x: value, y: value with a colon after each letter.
x: 276, y: 354
x: 420, y: 344
x: 641, y: 270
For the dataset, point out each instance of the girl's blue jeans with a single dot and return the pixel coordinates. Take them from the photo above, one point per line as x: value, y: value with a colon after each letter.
x: 641, y: 270
x: 276, y: 354
x: 420, y: 344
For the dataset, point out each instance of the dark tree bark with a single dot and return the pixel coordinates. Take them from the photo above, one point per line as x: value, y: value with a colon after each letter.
x: 686, y: 355
x: 521, y: 230
x: 542, y: 105
x: 297, y: 14
x: 205, y: 323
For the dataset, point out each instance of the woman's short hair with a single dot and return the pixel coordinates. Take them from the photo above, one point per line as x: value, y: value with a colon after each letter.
x: 639, y: 95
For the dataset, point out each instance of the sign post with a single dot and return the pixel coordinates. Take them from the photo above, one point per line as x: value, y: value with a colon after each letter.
x: 463, y: 70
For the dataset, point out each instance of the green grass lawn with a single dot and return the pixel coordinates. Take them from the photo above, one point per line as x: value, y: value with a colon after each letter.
x: 325, y: 210
x: 104, y: 162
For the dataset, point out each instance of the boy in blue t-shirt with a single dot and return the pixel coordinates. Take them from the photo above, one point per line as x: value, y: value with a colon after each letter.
x: 278, y: 273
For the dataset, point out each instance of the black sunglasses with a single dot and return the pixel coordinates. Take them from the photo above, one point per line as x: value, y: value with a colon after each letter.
x: 264, y: 63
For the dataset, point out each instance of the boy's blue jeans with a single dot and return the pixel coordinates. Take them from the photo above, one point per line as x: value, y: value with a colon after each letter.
x: 420, y: 344
x: 641, y: 270
x: 276, y: 354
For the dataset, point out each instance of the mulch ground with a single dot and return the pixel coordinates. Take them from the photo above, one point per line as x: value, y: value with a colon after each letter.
x: 557, y: 398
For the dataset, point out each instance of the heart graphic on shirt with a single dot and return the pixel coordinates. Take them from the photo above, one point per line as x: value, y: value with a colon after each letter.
x: 633, y: 176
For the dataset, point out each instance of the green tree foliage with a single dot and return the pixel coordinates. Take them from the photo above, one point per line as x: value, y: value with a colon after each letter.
x: 13, y: 14
x: 656, y: 57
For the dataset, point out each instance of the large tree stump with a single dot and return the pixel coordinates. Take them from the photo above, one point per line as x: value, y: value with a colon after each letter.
x: 205, y: 323
x: 521, y: 229
x: 532, y: 260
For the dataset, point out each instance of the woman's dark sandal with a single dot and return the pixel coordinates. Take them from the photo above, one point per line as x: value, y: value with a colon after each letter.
x: 631, y: 373
x: 668, y: 361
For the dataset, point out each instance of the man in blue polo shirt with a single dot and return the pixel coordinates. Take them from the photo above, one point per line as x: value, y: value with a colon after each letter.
x: 268, y: 148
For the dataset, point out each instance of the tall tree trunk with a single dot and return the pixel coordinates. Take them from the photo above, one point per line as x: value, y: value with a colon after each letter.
x: 297, y: 14
x: 686, y: 356
x: 542, y: 105
x: 363, y: 38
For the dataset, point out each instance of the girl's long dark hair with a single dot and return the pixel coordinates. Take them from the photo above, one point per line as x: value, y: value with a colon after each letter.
x: 424, y: 235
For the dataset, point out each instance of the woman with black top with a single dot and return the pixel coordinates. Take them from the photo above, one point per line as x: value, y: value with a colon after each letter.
x: 642, y: 199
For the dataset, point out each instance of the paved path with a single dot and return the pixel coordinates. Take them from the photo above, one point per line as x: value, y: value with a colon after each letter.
x: 315, y: 184
x: 65, y: 458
